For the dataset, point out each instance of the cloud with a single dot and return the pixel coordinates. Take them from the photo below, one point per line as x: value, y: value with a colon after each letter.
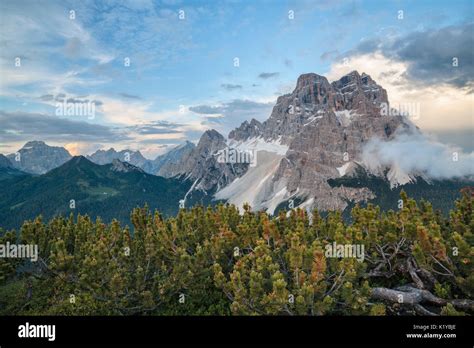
x: 429, y: 54
x: 237, y: 105
x: 154, y: 130
x: 226, y: 116
x: 230, y: 87
x: 268, y: 75
x: 44, y: 36
x: 330, y: 55
x: 157, y: 127
x: 129, y: 96
x: 460, y: 137
x: 206, y: 109
x: 152, y: 32
x: 417, y: 154
x: 47, y: 97
x: 442, y: 107
x: 81, y: 101
x: 73, y: 47
x: 76, y: 149
x: 25, y: 126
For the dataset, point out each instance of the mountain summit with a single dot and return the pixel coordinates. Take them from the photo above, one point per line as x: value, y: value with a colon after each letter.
x: 36, y: 157
x: 313, y: 134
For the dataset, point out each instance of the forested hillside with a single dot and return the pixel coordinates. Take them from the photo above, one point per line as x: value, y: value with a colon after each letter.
x: 83, y: 187
x: 215, y: 261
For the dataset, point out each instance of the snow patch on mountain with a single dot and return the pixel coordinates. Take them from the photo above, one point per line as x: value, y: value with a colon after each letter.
x: 343, y: 169
x: 255, y: 186
x: 345, y: 117
x: 281, y: 196
x: 311, y: 119
x: 307, y: 204
x: 259, y: 144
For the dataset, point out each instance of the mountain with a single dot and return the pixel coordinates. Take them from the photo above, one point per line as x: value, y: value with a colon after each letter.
x: 107, y: 156
x: 136, y: 158
x: 441, y: 193
x: 309, y: 153
x: 315, y: 134
x: 201, y: 165
x: 171, y: 157
x: 109, y: 191
x: 7, y: 171
x: 324, y: 125
x: 36, y: 157
x: 5, y: 162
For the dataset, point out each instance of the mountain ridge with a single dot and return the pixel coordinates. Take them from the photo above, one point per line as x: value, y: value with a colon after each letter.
x: 81, y: 186
x: 313, y: 134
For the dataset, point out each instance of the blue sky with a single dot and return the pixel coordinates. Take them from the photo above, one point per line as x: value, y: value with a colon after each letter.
x: 182, y: 79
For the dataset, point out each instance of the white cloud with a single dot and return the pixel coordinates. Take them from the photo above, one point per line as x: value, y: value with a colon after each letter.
x: 416, y: 153
x: 442, y: 107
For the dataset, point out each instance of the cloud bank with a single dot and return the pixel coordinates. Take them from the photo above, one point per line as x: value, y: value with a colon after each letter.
x: 417, y: 154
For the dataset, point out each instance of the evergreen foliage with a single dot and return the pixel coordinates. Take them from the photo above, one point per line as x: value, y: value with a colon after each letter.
x: 215, y: 261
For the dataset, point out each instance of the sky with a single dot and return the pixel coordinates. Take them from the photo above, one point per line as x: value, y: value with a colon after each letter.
x: 152, y: 74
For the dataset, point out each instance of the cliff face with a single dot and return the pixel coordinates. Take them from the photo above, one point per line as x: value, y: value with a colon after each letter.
x: 36, y: 157
x: 325, y: 126
x: 201, y: 164
x: 313, y: 134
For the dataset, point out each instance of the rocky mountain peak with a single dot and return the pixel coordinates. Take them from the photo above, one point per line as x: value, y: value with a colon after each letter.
x: 359, y: 93
x: 35, y: 143
x: 201, y: 164
x: 124, y: 167
x: 324, y: 127
x: 78, y: 160
x: 37, y: 157
x: 165, y: 164
x: 247, y: 130
x: 310, y: 79
x: 210, y: 135
x: 313, y: 134
x: 107, y: 156
x: 314, y: 101
x: 210, y: 142
x: 186, y: 144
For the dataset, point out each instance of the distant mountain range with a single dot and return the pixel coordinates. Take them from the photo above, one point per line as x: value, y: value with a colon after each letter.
x: 307, y: 154
x: 81, y: 186
x: 36, y: 157
x: 137, y: 159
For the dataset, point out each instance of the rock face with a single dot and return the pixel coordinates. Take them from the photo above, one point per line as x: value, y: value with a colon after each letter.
x: 322, y: 128
x: 136, y: 158
x: 171, y: 157
x: 108, y: 156
x: 325, y: 126
x: 247, y: 130
x: 314, y: 100
x: 124, y: 167
x: 201, y: 165
x: 36, y: 157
